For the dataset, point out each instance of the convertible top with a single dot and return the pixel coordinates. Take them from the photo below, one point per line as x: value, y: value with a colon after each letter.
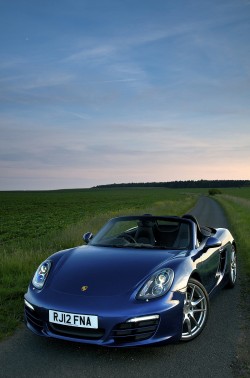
x: 202, y: 231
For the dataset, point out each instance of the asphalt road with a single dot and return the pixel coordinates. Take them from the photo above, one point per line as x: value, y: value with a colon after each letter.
x: 209, y: 355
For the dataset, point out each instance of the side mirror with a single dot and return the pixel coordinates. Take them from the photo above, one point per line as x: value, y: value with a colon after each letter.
x: 212, y: 243
x: 87, y: 237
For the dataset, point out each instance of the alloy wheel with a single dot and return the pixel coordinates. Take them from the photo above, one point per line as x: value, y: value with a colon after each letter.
x: 195, y: 310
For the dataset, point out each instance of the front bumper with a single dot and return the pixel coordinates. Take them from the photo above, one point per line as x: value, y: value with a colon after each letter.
x: 154, y: 322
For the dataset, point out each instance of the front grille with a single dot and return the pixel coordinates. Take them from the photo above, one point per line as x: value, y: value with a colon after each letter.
x: 135, y: 331
x: 76, y: 332
x: 33, y: 318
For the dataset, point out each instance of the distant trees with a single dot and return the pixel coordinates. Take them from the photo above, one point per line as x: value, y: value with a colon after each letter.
x: 184, y: 184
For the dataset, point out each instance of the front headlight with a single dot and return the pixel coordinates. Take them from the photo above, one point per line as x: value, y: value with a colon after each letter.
x: 41, y: 274
x: 157, y: 285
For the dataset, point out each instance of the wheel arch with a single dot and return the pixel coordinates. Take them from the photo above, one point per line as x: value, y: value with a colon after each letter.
x: 196, y: 276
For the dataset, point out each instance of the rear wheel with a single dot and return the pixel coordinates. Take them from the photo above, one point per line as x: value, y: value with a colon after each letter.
x: 233, y: 269
x: 195, y: 310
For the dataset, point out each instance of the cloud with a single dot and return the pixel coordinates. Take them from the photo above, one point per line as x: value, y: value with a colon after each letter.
x: 92, y: 53
x: 125, y: 148
x: 105, y: 94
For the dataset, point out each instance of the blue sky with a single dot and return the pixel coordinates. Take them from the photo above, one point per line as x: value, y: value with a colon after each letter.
x: 107, y: 91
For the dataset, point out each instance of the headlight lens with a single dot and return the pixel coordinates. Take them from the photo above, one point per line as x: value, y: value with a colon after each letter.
x: 157, y: 285
x: 41, y: 274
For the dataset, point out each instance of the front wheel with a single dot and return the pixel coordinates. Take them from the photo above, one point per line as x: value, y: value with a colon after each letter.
x: 195, y: 310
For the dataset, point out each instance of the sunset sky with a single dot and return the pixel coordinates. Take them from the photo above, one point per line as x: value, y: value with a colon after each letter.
x: 109, y: 91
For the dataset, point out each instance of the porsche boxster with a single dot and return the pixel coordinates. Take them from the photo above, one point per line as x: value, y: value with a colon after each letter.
x: 140, y: 280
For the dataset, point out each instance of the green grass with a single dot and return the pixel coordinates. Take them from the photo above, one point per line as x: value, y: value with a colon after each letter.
x: 28, y: 215
x: 236, y: 203
x: 34, y: 225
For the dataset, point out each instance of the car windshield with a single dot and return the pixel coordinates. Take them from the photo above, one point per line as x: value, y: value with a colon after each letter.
x: 145, y: 232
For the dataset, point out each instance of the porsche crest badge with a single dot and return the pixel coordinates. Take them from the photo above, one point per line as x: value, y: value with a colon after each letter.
x: 84, y: 288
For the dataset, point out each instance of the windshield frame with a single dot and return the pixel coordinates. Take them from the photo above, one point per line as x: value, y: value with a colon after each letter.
x: 102, y: 238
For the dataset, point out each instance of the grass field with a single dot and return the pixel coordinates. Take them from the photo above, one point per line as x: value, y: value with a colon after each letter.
x: 236, y: 203
x: 33, y: 225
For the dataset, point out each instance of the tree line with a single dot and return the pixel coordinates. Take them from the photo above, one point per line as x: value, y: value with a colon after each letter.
x: 183, y: 184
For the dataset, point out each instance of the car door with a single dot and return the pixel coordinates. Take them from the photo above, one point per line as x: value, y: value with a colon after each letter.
x: 209, y: 267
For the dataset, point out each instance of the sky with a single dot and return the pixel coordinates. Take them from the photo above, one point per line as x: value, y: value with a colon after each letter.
x: 113, y: 91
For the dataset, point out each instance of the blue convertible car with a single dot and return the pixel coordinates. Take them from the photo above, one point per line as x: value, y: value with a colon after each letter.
x: 139, y: 280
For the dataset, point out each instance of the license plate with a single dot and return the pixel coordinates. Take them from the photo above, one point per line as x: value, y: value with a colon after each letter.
x: 74, y: 320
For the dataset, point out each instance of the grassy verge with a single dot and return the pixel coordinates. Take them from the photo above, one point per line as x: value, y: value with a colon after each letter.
x: 238, y: 213
x: 37, y: 224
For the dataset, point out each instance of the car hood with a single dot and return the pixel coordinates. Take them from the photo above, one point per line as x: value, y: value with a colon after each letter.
x: 104, y: 271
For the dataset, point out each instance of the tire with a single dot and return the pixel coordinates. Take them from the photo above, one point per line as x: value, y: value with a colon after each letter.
x: 195, y: 310
x: 232, y: 275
